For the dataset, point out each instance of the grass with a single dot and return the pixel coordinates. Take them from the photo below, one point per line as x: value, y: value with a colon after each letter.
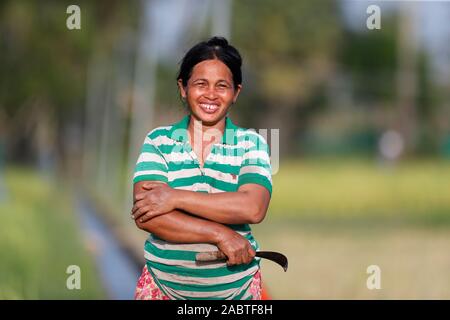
x: 360, y: 190
x: 332, y: 263
x: 334, y: 218
x: 39, y: 239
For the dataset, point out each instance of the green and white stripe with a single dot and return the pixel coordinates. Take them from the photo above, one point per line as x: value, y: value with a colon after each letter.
x: 242, y: 157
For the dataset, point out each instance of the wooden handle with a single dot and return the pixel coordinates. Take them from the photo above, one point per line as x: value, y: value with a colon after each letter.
x: 210, y: 256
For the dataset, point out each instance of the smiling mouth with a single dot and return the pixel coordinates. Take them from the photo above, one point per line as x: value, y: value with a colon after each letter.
x: 209, y: 108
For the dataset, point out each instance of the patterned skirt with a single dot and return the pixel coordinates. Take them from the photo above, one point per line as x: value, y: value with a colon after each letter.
x: 147, y: 289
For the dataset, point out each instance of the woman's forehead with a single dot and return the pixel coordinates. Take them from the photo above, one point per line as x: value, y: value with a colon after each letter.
x: 211, y: 70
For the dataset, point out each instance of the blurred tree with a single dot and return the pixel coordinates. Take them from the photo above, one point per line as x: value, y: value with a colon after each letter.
x: 426, y: 108
x: 387, y: 69
x: 370, y: 58
x: 289, y: 53
x: 43, y: 66
x: 368, y: 62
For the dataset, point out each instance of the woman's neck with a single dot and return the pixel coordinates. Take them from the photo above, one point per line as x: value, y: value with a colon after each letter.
x: 206, y: 134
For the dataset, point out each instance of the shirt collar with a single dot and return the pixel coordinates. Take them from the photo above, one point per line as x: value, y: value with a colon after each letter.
x: 178, y: 131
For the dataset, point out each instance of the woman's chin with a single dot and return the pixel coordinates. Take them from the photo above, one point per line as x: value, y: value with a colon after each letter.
x: 210, y: 118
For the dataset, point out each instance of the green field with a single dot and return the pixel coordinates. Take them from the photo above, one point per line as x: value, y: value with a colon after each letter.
x: 334, y: 218
x: 39, y: 238
x: 332, y: 264
x: 360, y: 190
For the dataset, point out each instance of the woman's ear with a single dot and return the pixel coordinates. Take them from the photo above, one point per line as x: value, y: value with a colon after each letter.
x: 236, y: 93
x: 182, y: 88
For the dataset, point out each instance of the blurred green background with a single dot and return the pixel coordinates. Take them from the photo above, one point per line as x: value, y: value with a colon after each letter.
x: 361, y: 163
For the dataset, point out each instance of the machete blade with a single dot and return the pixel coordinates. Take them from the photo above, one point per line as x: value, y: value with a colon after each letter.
x: 276, y: 257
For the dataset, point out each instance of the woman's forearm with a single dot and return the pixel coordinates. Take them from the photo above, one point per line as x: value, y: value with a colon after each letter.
x: 179, y: 227
x: 226, y: 207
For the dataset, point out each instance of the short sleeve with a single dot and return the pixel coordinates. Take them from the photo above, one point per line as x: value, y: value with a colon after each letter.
x: 255, y: 167
x: 150, y: 165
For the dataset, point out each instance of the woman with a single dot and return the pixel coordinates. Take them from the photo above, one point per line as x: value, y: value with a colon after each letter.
x: 198, y: 184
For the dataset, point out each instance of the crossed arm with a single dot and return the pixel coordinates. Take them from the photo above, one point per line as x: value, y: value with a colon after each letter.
x: 247, y: 205
x: 168, y: 213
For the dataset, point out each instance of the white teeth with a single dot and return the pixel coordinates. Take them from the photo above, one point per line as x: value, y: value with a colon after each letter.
x: 209, y: 106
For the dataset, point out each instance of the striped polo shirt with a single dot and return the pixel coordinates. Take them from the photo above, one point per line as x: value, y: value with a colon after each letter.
x: 166, y: 155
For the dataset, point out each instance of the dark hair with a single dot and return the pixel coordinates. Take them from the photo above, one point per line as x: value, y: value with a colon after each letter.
x: 214, y: 48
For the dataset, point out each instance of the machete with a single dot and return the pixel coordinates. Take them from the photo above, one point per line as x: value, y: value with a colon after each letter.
x: 277, y: 257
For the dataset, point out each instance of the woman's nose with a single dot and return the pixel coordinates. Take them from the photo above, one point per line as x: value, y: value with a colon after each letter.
x: 211, y: 93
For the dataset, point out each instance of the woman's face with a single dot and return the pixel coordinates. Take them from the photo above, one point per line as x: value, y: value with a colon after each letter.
x: 210, y: 91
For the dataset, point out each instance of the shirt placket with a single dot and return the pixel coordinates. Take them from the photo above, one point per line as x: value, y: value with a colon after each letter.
x: 195, y: 159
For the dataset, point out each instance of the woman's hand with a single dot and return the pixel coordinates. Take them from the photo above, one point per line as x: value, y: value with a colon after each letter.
x: 157, y: 200
x: 236, y: 248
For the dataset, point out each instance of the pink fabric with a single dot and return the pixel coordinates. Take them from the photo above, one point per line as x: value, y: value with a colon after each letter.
x: 147, y: 289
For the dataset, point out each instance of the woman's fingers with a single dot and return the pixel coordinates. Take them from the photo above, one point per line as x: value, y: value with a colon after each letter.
x: 145, y: 217
x: 244, y: 256
x: 140, y: 212
x: 149, y: 215
x: 231, y: 258
x: 237, y: 249
x: 137, y: 206
x: 231, y: 261
x: 240, y: 257
x: 251, y: 254
x: 144, y: 214
x: 246, y: 259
